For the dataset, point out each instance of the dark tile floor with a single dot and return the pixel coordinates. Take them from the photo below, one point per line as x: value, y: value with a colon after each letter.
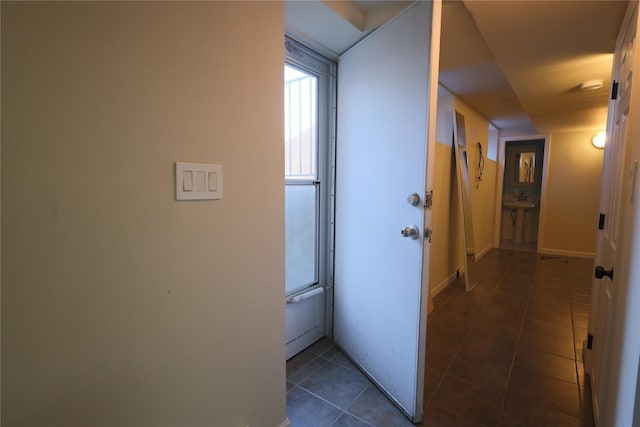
x: 325, y: 389
x: 508, y: 353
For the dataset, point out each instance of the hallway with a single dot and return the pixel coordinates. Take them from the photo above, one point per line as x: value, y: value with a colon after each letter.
x: 509, y: 353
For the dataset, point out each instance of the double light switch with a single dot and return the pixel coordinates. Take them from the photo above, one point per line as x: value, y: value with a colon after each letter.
x: 198, y: 181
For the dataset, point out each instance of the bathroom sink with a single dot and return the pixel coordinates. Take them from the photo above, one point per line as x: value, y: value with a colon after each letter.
x: 519, y: 204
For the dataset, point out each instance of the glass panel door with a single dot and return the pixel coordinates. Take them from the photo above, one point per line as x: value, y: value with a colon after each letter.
x: 301, y: 231
x: 301, y: 178
x: 309, y: 135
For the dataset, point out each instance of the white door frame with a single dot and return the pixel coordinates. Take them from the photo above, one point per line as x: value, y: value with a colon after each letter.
x: 502, y: 144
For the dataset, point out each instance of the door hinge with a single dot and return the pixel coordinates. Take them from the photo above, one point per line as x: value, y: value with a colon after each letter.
x: 589, y: 341
x: 601, y: 272
x: 614, y: 90
x: 428, y: 199
x: 601, y: 222
x: 428, y: 232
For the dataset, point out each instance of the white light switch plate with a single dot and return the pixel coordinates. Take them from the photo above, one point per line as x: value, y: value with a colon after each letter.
x: 198, y: 181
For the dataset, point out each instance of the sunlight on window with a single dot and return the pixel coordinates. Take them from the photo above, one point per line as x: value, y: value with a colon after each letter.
x: 301, y: 185
x: 300, y: 124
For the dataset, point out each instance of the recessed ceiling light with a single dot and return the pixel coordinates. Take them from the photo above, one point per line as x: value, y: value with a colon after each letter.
x: 591, y: 85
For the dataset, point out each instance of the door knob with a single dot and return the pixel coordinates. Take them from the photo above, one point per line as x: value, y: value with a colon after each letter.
x: 414, y: 199
x: 411, y: 231
x: 601, y: 272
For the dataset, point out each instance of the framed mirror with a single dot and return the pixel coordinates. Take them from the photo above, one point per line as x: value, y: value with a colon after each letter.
x: 523, y: 166
x: 464, y: 192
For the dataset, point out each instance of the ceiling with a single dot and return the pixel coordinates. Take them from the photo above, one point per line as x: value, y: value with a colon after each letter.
x: 518, y: 63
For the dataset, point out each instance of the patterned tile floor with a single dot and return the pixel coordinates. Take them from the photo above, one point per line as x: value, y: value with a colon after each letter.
x: 508, y: 353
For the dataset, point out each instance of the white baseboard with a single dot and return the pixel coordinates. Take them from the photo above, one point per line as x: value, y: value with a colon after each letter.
x: 442, y: 285
x: 483, y: 252
x: 285, y: 423
x: 453, y: 276
x: 460, y: 271
x: 562, y: 252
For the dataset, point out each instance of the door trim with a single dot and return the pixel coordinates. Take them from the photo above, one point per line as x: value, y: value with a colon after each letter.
x: 502, y: 144
x: 299, y: 55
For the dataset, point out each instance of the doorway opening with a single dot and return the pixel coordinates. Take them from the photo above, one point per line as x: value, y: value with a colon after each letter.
x: 523, y: 189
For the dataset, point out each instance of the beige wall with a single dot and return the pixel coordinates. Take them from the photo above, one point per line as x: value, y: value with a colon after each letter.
x: 444, y: 218
x: 573, y: 194
x: 444, y: 260
x: 121, y: 306
x: 483, y: 197
x: 447, y: 253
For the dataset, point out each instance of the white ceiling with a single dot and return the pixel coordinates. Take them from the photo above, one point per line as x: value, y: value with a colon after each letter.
x: 545, y: 49
x: 518, y: 63
x: 468, y: 69
x: 332, y: 27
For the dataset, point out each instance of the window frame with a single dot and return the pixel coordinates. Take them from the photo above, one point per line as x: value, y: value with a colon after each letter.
x: 308, y: 61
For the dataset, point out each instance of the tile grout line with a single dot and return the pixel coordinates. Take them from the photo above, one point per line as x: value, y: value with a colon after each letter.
x: 343, y: 411
x: 312, y: 372
x: 575, y: 355
x: 580, y: 417
x: 446, y: 372
x: 324, y: 400
x: 327, y: 361
x: 515, y: 353
x: 354, y: 400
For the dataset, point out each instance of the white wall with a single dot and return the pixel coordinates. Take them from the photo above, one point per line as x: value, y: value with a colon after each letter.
x: 121, y: 306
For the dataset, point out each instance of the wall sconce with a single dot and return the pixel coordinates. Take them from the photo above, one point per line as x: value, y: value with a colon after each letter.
x: 591, y: 85
x: 599, y: 139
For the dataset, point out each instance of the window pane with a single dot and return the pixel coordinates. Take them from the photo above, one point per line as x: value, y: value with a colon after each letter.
x: 300, y: 235
x: 300, y: 124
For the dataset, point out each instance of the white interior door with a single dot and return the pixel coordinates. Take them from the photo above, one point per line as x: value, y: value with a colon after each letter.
x: 380, y: 299
x: 604, y: 289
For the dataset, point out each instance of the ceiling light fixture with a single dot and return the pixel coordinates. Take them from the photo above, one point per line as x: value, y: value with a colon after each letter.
x: 591, y: 85
x: 599, y: 139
